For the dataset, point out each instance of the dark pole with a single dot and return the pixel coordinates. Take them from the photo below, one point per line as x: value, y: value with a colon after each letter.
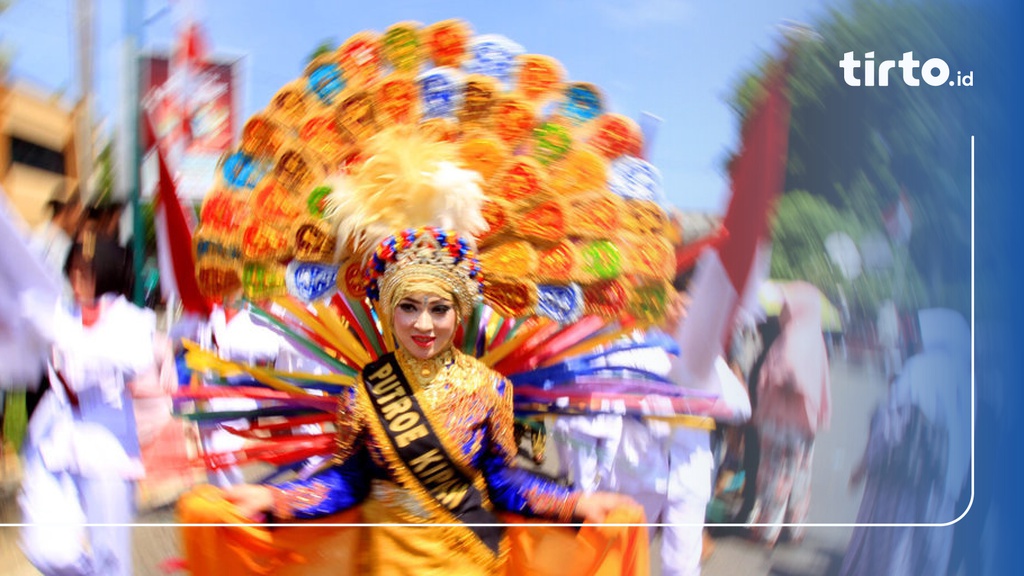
x: 133, y: 45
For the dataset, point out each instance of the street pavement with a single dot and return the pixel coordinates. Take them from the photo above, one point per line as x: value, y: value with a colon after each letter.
x: 856, y: 390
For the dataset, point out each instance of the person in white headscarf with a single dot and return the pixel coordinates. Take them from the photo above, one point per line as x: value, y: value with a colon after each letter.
x: 940, y: 386
x: 917, y: 458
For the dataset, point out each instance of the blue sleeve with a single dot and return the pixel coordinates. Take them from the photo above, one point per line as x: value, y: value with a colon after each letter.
x: 528, y: 494
x: 514, y: 489
x: 335, y: 489
x: 184, y: 372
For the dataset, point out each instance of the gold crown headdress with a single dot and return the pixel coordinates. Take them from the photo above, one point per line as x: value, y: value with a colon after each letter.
x: 427, y: 256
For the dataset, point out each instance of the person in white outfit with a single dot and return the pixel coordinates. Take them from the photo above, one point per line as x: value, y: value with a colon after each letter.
x: 52, y: 240
x: 82, y: 452
x: 667, y: 469
x: 235, y: 336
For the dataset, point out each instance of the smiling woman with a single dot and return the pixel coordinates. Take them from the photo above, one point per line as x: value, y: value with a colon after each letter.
x: 425, y: 437
x: 424, y: 324
x: 416, y: 426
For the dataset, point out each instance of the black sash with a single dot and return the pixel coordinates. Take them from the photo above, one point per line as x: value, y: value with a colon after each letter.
x: 421, y: 451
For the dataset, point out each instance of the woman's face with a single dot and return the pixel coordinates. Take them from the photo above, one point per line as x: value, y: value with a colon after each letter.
x: 83, y: 282
x: 424, y: 324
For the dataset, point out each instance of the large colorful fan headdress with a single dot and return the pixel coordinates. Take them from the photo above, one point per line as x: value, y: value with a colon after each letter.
x: 432, y: 125
x: 434, y: 153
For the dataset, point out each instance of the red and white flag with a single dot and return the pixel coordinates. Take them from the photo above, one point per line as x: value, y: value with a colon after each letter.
x: 174, y: 225
x: 174, y: 243
x: 725, y: 273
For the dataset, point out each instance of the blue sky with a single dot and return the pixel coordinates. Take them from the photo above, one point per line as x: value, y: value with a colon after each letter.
x: 677, y: 59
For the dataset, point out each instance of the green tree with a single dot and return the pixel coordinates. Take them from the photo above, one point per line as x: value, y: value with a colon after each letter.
x: 859, y: 148
x: 104, y: 174
x: 147, y: 211
x: 802, y: 222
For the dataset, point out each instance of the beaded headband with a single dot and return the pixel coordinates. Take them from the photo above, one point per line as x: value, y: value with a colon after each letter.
x: 427, y: 252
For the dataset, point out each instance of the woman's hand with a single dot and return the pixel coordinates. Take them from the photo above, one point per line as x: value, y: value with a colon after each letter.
x: 252, y: 500
x: 593, y: 508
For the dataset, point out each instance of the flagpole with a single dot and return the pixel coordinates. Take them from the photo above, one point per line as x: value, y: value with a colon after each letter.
x: 84, y: 27
x: 133, y: 43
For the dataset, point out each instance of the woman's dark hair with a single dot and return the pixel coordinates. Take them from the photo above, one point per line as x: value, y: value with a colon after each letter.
x: 106, y: 259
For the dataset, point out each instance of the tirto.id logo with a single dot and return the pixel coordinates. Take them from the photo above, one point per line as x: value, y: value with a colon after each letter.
x: 934, y: 71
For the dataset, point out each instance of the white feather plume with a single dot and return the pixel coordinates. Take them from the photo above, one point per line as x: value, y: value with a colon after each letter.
x: 406, y: 181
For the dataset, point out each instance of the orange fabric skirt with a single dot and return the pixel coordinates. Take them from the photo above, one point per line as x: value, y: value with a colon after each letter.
x: 217, y: 540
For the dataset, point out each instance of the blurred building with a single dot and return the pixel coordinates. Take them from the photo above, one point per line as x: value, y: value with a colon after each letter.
x: 38, y: 159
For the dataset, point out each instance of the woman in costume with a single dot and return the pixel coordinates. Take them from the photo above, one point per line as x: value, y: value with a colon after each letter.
x: 557, y: 202
x: 426, y: 435
x: 82, y: 454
